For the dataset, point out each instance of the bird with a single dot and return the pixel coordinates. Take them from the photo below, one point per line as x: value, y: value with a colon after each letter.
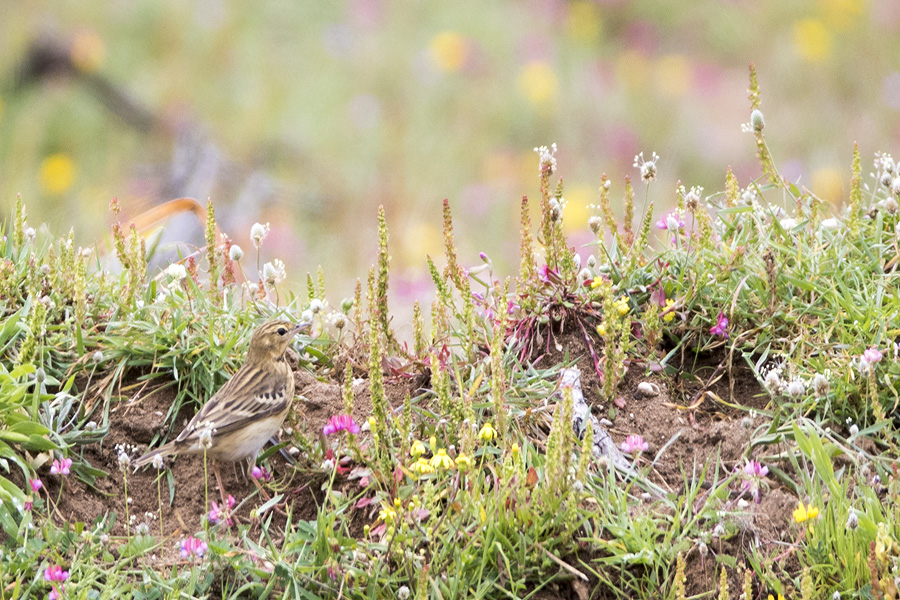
x: 248, y: 410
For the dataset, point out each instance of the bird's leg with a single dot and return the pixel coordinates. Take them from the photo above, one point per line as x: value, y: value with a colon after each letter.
x: 219, y: 481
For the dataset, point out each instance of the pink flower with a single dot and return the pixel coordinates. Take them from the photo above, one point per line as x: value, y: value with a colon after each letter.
x: 260, y: 473
x: 55, y: 573
x: 193, y: 546
x: 61, y: 467
x: 56, y: 593
x: 230, y: 501
x: 634, y: 444
x: 672, y: 221
x: 29, y: 504
x: 35, y: 484
x: 751, y: 475
x: 872, y: 355
x: 721, y: 327
x: 340, y: 423
x: 214, y: 513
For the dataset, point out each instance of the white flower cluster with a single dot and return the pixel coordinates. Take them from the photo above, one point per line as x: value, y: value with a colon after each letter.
x: 647, y: 167
x: 547, y: 157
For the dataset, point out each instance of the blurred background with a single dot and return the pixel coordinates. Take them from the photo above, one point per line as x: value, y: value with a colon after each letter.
x: 308, y: 115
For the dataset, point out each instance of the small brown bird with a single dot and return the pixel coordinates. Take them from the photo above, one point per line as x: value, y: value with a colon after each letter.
x: 249, y: 409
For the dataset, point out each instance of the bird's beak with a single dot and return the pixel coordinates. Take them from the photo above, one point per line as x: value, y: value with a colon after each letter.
x: 301, y: 327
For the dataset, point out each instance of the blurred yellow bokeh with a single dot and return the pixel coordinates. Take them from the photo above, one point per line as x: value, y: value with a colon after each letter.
x: 812, y: 39
x: 842, y: 14
x: 584, y: 21
x: 828, y: 184
x: 577, y: 212
x: 421, y: 239
x: 57, y: 174
x: 449, y: 51
x: 537, y: 82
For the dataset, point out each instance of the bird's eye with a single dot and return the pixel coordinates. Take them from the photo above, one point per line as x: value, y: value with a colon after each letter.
x: 282, y: 331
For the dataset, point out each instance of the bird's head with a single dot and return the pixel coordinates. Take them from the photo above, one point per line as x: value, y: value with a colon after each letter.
x: 270, y: 340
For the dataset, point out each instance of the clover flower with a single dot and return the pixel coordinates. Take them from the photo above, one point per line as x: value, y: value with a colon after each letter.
x: 158, y: 462
x: 720, y: 329
x: 634, y: 445
x: 340, y: 423
x: 868, y: 359
x: 176, y: 271
x: 274, y: 272
x: 55, y: 574
x: 235, y: 252
x: 35, y: 484
x: 751, y: 475
x: 61, y: 467
x: 258, y: 233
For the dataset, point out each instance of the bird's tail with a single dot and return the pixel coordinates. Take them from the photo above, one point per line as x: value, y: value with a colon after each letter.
x: 164, y: 451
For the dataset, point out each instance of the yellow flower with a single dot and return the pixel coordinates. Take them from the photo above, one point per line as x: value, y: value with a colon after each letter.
x: 57, y: 173
x: 421, y: 467
x: 668, y: 314
x: 388, y: 515
x: 601, y: 329
x: 487, y: 432
x: 449, y: 51
x: 432, y: 441
x: 597, y: 282
x: 417, y: 449
x: 515, y: 451
x: 771, y: 597
x: 463, y: 462
x: 622, y: 306
x: 441, y: 461
x: 806, y: 513
x: 482, y: 514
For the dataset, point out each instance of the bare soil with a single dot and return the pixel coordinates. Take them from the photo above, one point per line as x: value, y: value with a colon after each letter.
x: 688, y: 425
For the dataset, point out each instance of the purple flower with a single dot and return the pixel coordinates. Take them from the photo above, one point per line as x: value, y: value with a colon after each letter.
x: 29, y: 504
x: 230, y: 501
x: 35, y: 484
x: 260, y: 473
x: 634, y: 444
x: 484, y: 257
x: 751, y: 475
x: 194, y: 546
x: 340, y: 423
x: 213, y: 517
x: 61, y: 467
x: 55, y: 573
x: 872, y: 355
x: 721, y: 327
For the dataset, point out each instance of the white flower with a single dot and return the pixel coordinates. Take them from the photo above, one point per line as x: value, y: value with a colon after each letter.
x: 895, y: 186
x: 796, y: 388
x: 258, y: 233
x: 206, y: 436
x: 757, y: 122
x: 831, y: 223
x: 820, y: 384
x: 647, y: 167
x: 124, y: 460
x: 340, y: 321
x: 788, y: 223
x: 176, y: 271
x: 157, y: 462
x: 403, y: 593
x: 547, y: 158
x: 306, y: 315
x: 235, y: 252
x: 316, y: 306
x: 273, y: 272
x: 30, y: 233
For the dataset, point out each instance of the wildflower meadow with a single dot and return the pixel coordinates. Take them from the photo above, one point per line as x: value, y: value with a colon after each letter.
x: 700, y: 402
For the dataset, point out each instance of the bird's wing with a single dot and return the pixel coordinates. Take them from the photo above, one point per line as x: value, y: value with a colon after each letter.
x: 248, y: 396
